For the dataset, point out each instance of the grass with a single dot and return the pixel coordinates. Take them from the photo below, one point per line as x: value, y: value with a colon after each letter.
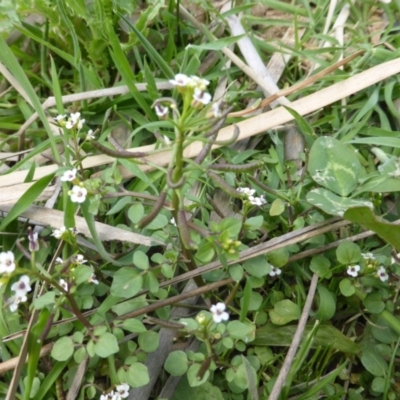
x: 145, y: 179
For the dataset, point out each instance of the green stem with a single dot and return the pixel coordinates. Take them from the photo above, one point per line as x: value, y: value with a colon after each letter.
x: 112, y: 370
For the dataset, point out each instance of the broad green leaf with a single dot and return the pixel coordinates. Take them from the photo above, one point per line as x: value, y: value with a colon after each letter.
x: 63, y: 349
x: 236, y: 272
x: 373, y: 362
x: 106, y: 345
x: 373, y: 303
x: 334, y: 165
x: 333, y: 204
x: 389, y: 232
x: 277, y: 208
x: 346, y: 287
x: 241, y: 330
x: 176, y: 363
x: 136, y: 212
x: 133, y: 325
x: 251, y: 376
x: 326, y: 336
x: 321, y: 266
x: 254, y: 222
x: 348, y: 253
x: 126, y: 283
x: 140, y: 260
x: 284, y: 311
x: 382, y: 332
x: 192, y: 375
x: 149, y: 341
x: 278, y: 258
x: 326, y: 304
x: 137, y: 375
x: 159, y: 222
x: 257, y: 266
x: 44, y: 300
x: 82, y: 273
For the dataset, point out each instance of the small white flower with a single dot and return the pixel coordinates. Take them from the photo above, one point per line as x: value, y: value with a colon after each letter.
x: 80, y: 259
x: 80, y: 124
x: 60, y: 118
x: 33, y: 241
x: 275, y: 271
x: 257, y: 201
x: 7, y: 262
x: 90, y: 135
x: 383, y: 276
x: 59, y: 260
x: 116, y: 396
x: 197, y: 82
x: 15, y: 301
x: 93, y: 279
x: 180, y: 80
x: 161, y: 111
x: 104, y: 397
x: 78, y: 194
x: 69, y: 124
x: 368, y: 256
x: 201, y: 97
x: 75, y: 117
x: 352, y: 270
x: 219, y: 313
x: 69, y: 175
x: 22, y: 287
x: 123, y: 390
x: 173, y: 222
x: 57, y: 233
x: 63, y: 284
x: 247, y: 191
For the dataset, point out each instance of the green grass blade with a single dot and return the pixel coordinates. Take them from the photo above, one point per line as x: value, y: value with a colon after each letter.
x: 26, y: 200
x: 48, y: 382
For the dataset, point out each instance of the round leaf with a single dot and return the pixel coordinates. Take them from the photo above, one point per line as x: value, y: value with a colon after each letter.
x: 141, y: 260
x: 277, y: 208
x: 126, y: 283
x: 63, y: 349
x: 137, y: 375
x: 176, y: 363
x: 149, y: 341
x: 346, y: 287
x: 348, y: 253
x: 106, y: 345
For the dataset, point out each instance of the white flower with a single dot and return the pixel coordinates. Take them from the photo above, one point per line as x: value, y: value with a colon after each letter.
x: 116, y: 396
x: 63, y: 284
x: 75, y: 117
x: 104, y: 397
x: 7, y: 262
x: 33, y: 241
x: 57, y: 233
x: 59, y: 260
x: 80, y: 124
x: 93, y: 279
x: 15, y: 301
x: 180, y: 80
x: 22, y: 287
x: 275, y: 271
x: 383, y: 276
x: 368, y: 256
x: 79, y: 259
x: 123, y: 390
x: 197, y: 82
x: 69, y: 175
x: 90, y: 135
x: 219, y: 313
x: 173, y: 222
x: 352, y: 270
x: 78, y: 194
x: 257, y: 201
x: 201, y: 97
x: 247, y: 191
x: 60, y: 118
x: 161, y: 111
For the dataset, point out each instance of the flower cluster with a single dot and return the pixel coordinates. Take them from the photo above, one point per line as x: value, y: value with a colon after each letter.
x: 353, y: 271
x: 60, y: 233
x: 195, y: 86
x: 121, y: 392
x: 250, y: 198
x: 74, y: 121
x: 78, y: 192
x: 218, y: 312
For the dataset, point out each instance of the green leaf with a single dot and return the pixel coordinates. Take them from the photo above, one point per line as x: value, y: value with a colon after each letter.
x: 254, y: 222
x: 321, y: 266
x: 46, y: 299
x: 48, y: 383
x: 176, y: 363
x: 326, y: 304
x: 333, y: 204
x: 257, y: 266
x: 348, y: 253
x: 27, y: 199
x: 251, y: 376
x: 82, y: 273
x: 277, y: 208
x: 159, y: 222
x: 141, y: 260
x: 133, y: 325
x: 346, y: 287
x: 126, y: 283
x: 192, y: 375
x: 373, y: 361
x: 334, y: 165
x: 137, y: 375
x: 387, y: 231
x: 63, y: 349
x: 241, y: 330
x: 106, y: 345
x: 284, y: 311
x: 218, y: 44
x: 278, y: 258
x: 327, y: 336
x: 136, y: 212
x: 149, y: 341
x: 373, y: 303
